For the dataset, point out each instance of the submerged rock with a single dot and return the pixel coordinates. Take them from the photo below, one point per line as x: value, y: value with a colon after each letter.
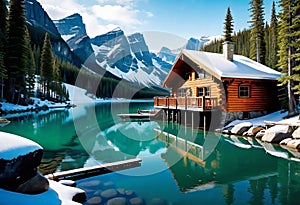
x: 108, y: 194
x: 117, y: 201
x: 95, y: 200
x: 136, y: 201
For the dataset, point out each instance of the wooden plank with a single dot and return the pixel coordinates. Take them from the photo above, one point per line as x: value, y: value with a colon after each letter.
x: 87, y: 172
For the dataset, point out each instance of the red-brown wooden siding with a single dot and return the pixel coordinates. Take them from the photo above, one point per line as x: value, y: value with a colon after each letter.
x: 263, y: 95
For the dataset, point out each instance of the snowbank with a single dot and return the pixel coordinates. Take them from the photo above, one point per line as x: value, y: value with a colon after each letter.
x: 276, y: 116
x: 57, y: 194
x: 13, y: 146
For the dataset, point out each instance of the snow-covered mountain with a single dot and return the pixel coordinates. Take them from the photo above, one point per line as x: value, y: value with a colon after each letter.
x: 39, y: 22
x: 192, y: 44
x: 128, y: 58
x: 72, y: 30
x: 121, y: 56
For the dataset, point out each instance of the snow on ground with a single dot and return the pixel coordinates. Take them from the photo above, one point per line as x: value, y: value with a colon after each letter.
x: 57, y: 194
x: 15, y: 146
x: 275, y: 117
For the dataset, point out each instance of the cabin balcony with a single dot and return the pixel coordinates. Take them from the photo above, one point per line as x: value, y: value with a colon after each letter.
x: 186, y: 103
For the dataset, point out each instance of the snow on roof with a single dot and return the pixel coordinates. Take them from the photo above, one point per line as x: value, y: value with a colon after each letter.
x: 240, y: 67
x: 13, y: 146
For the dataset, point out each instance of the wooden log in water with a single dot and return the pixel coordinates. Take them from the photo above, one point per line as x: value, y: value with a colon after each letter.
x: 87, y: 172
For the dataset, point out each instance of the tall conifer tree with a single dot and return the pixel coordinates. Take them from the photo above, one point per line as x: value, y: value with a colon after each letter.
x: 228, y: 26
x: 273, y: 49
x: 3, y: 22
x: 289, y: 61
x: 30, y: 68
x: 47, y: 66
x: 257, y: 43
x: 16, y: 49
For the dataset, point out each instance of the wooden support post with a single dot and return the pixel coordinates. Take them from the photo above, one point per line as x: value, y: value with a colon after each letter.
x: 204, y: 123
x: 185, y: 123
x: 193, y: 120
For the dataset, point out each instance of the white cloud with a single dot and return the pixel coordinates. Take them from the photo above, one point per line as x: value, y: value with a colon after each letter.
x: 60, y: 9
x: 149, y: 14
x: 100, y: 16
x: 123, y: 15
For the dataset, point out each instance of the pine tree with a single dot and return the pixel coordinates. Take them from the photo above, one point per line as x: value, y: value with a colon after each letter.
x: 16, y: 50
x: 3, y: 22
x: 289, y: 51
x: 268, y: 44
x: 47, y: 66
x: 228, y: 26
x: 273, y: 49
x: 30, y: 68
x: 257, y: 44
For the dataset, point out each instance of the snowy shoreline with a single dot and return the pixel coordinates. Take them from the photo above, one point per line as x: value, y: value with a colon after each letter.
x: 78, y: 96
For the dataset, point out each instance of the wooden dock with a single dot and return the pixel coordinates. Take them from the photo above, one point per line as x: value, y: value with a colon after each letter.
x: 87, y: 172
x: 141, y: 115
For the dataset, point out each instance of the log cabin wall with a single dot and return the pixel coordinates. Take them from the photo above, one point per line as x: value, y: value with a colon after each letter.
x: 262, y: 95
x: 215, y: 86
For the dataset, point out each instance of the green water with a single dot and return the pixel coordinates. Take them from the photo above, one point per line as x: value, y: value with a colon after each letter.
x: 179, y: 165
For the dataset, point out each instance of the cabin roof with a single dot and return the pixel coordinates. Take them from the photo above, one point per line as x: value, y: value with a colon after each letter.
x: 220, y: 67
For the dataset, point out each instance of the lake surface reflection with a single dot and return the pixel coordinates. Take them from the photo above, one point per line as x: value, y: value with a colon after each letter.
x: 179, y: 165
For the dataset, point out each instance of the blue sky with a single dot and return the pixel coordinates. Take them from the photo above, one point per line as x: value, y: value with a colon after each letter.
x: 185, y: 18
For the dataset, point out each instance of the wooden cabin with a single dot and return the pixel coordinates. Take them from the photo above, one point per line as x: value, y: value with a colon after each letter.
x: 202, y: 81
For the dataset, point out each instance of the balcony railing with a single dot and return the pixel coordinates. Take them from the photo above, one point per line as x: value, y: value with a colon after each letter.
x: 205, y: 103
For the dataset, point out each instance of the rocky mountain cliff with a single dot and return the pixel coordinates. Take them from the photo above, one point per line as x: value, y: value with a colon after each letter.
x: 72, y: 29
x: 39, y: 22
x: 128, y: 58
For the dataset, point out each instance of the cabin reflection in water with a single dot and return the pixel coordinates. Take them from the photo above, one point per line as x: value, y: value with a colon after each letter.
x: 229, y: 163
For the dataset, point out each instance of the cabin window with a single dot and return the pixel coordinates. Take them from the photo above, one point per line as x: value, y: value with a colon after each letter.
x: 202, y: 74
x: 203, y: 91
x: 244, y: 91
x: 184, y: 92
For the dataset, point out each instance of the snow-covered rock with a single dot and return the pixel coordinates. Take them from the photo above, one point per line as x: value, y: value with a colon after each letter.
x: 276, y: 134
x: 296, y: 133
x: 240, y: 128
x: 253, y: 131
x: 19, y: 159
x: 294, y: 143
x: 57, y: 194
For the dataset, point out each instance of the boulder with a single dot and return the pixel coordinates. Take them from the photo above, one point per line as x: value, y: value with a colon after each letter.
x: 36, y: 185
x: 296, y: 133
x: 19, y: 159
x: 276, y: 134
x: 240, y: 128
x: 260, y: 134
x: 294, y: 143
x: 285, y: 141
x: 253, y: 131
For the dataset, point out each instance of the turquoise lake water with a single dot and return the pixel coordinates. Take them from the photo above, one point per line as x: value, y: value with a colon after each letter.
x: 179, y: 165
